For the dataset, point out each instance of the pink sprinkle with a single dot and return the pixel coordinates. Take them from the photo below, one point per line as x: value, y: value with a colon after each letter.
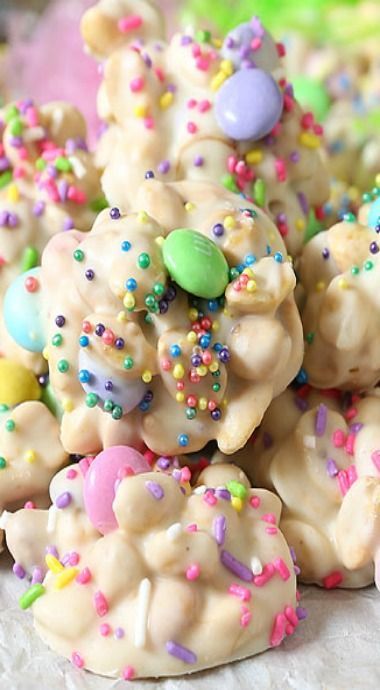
x: 232, y: 162
x: 76, y: 195
x: 271, y: 530
x: 307, y: 120
x: 202, y: 63
x: 192, y: 528
x: 191, y: 103
x: 266, y: 575
x: 18, y: 172
x: 100, y: 603
x: 280, y: 170
x: 281, y: 568
x: 204, y: 106
x: 185, y: 474
x: 239, y: 591
x: 350, y: 444
x: 196, y: 50
x: 375, y: 457
x: 149, y: 456
x: 338, y: 438
x: 149, y: 123
x: 129, y: 23
x: 256, y: 43
x: 166, y: 364
x: 246, y: 617
x: 278, y: 630
x: 333, y: 580
x: 29, y: 505
x: 136, y: 84
x: 352, y: 474
x: 77, y: 660
x: 105, y: 629
x: 84, y: 465
x: 210, y: 498
x: 351, y: 413
x: 281, y: 52
x: 191, y: 127
x: 84, y: 576
x: 74, y: 558
x: 291, y: 616
x: 31, y: 117
x: 269, y: 517
x: 71, y: 474
x: 193, y: 572
x: 254, y: 502
x: 318, y: 130
x: 160, y: 74
x: 344, y: 484
x: 128, y: 673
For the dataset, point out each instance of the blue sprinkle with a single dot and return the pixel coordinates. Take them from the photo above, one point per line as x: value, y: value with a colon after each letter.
x: 302, y: 376
x: 84, y: 376
x: 175, y: 351
x: 131, y: 284
x: 183, y: 440
x: 125, y: 246
x: 217, y: 347
x: 213, y: 305
x: 250, y: 259
x: 278, y: 257
x: 84, y: 341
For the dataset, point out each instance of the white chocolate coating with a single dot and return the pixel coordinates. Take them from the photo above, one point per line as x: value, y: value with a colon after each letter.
x: 157, y: 586
x: 158, y: 100
x: 320, y: 454
x: 247, y: 382
x: 340, y: 274
x: 32, y: 452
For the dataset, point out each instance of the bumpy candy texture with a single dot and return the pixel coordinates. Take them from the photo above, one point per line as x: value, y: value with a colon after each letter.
x: 188, y: 579
x: 319, y: 451
x: 134, y: 357
x: 340, y: 273
x: 201, y: 108
x: 48, y: 183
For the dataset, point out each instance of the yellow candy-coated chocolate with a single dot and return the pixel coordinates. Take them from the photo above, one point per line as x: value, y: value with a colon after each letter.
x: 17, y: 383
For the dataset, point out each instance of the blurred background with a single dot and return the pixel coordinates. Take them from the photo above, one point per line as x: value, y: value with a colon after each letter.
x: 332, y: 55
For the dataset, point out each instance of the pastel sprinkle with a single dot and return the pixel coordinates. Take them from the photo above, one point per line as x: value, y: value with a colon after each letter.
x: 219, y: 528
x: 31, y: 595
x: 180, y: 652
x: 155, y: 490
x: 320, y: 420
x: 100, y: 604
x: 235, y: 566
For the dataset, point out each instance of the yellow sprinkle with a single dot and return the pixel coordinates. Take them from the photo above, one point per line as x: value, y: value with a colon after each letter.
x: 311, y: 141
x: 180, y: 397
x: 146, y: 376
x: 320, y: 286
x: 202, y: 370
x: 193, y: 314
x: 65, y: 577
x: 377, y: 180
x: 218, y: 80
x: 343, y: 284
x: 121, y: 316
x: 142, y: 217
x: 290, y: 258
x: 129, y: 301
x: 214, y: 366
x: 67, y: 405
x: 160, y: 240
x: 45, y: 353
x: 202, y: 403
x: 229, y: 222
x: 251, y: 286
x: 53, y: 563
x: 13, y: 193
x: 189, y: 206
x: 254, y: 157
x: 300, y: 224
x: 248, y: 272
x: 226, y: 311
x: 192, y: 337
x: 227, y: 67
x: 217, y: 42
x: 215, y: 326
x: 237, y: 503
x: 140, y: 110
x: 166, y: 100
x: 30, y: 456
x: 178, y: 372
x: 225, y: 402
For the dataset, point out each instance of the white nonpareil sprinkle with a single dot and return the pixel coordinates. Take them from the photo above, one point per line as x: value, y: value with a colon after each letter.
x: 143, y: 598
x: 78, y: 167
x: 174, y: 531
x: 200, y: 490
x: 256, y: 566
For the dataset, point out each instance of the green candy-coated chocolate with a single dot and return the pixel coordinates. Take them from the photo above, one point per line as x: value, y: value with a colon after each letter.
x: 195, y: 263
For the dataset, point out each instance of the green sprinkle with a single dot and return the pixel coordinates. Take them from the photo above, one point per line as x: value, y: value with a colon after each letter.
x: 99, y: 204
x: 5, y: 178
x: 349, y: 217
x: 367, y: 197
x: 16, y: 127
x: 63, y: 365
x: 31, y: 594
x: 216, y: 387
x: 117, y: 412
x: 40, y: 164
x: 10, y: 425
x: 3, y: 463
x: 309, y: 337
x: 63, y: 164
x: 143, y: 260
x: 368, y: 265
x: 150, y: 301
x: 355, y: 270
x: 108, y: 406
x: 30, y: 259
x: 78, y: 255
x: 11, y: 112
x: 128, y: 363
x: 4, y: 407
x: 191, y: 413
x: 237, y: 489
x: 92, y: 399
x: 57, y: 340
x: 228, y: 181
x: 148, y: 319
x: 259, y: 192
x: 216, y: 373
x: 158, y: 289
x: 233, y: 273
x: 203, y: 36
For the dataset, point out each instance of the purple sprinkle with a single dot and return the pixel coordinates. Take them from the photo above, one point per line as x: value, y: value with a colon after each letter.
x: 355, y: 428
x: 52, y: 550
x: 70, y: 147
x: 301, y: 613
x: 119, y: 633
x: 218, y: 230
x: 63, y: 500
x: 39, y: 208
x: 16, y: 142
x: 219, y: 527
x: 52, y: 172
x: 147, y: 59
x: 68, y: 224
x: 108, y: 385
x: 321, y: 420
x: 60, y: 321
x: 267, y: 440
x: 4, y: 215
x: 66, y: 559
x: 19, y: 571
x: 325, y: 253
x: 149, y: 175
x: 373, y: 248
x: 297, y: 570
x: 99, y: 329
x: 293, y: 554
x: 155, y: 490
x: 257, y: 27
x: 119, y: 343
x: 177, y: 475
x: 198, y: 161
x: 37, y: 576
x: 281, y: 218
x: 331, y: 467
x: 13, y: 220
x: 163, y: 167
x: 115, y: 213
x: 301, y: 403
x: 236, y: 567
x: 223, y: 493
x: 4, y: 163
x: 224, y: 355
x: 180, y: 652
x: 230, y: 43
x: 294, y: 156
x: 63, y: 188
x: 90, y: 274
x: 171, y: 87
x: 303, y: 203
x: 186, y: 40
x: 163, y: 463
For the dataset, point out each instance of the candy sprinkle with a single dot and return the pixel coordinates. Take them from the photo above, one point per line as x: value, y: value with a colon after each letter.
x: 31, y: 594
x: 185, y: 655
x: 155, y: 490
x: 236, y: 567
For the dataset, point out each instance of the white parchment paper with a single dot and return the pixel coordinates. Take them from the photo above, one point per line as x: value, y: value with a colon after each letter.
x: 336, y: 648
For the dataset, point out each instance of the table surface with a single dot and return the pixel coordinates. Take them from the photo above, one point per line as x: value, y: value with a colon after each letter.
x: 336, y: 648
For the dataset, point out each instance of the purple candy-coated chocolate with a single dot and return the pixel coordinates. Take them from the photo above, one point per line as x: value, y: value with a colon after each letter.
x: 236, y: 567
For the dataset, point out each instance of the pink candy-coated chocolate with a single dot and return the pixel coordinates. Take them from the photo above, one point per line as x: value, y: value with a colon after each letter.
x: 99, y: 484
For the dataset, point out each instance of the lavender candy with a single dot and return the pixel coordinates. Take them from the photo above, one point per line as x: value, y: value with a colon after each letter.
x: 219, y: 527
x: 180, y: 652
x: 63, y: 500
x: 321, y: 420
x: 236, y: 567
x: 19, y: 571
x: 155, y: 490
